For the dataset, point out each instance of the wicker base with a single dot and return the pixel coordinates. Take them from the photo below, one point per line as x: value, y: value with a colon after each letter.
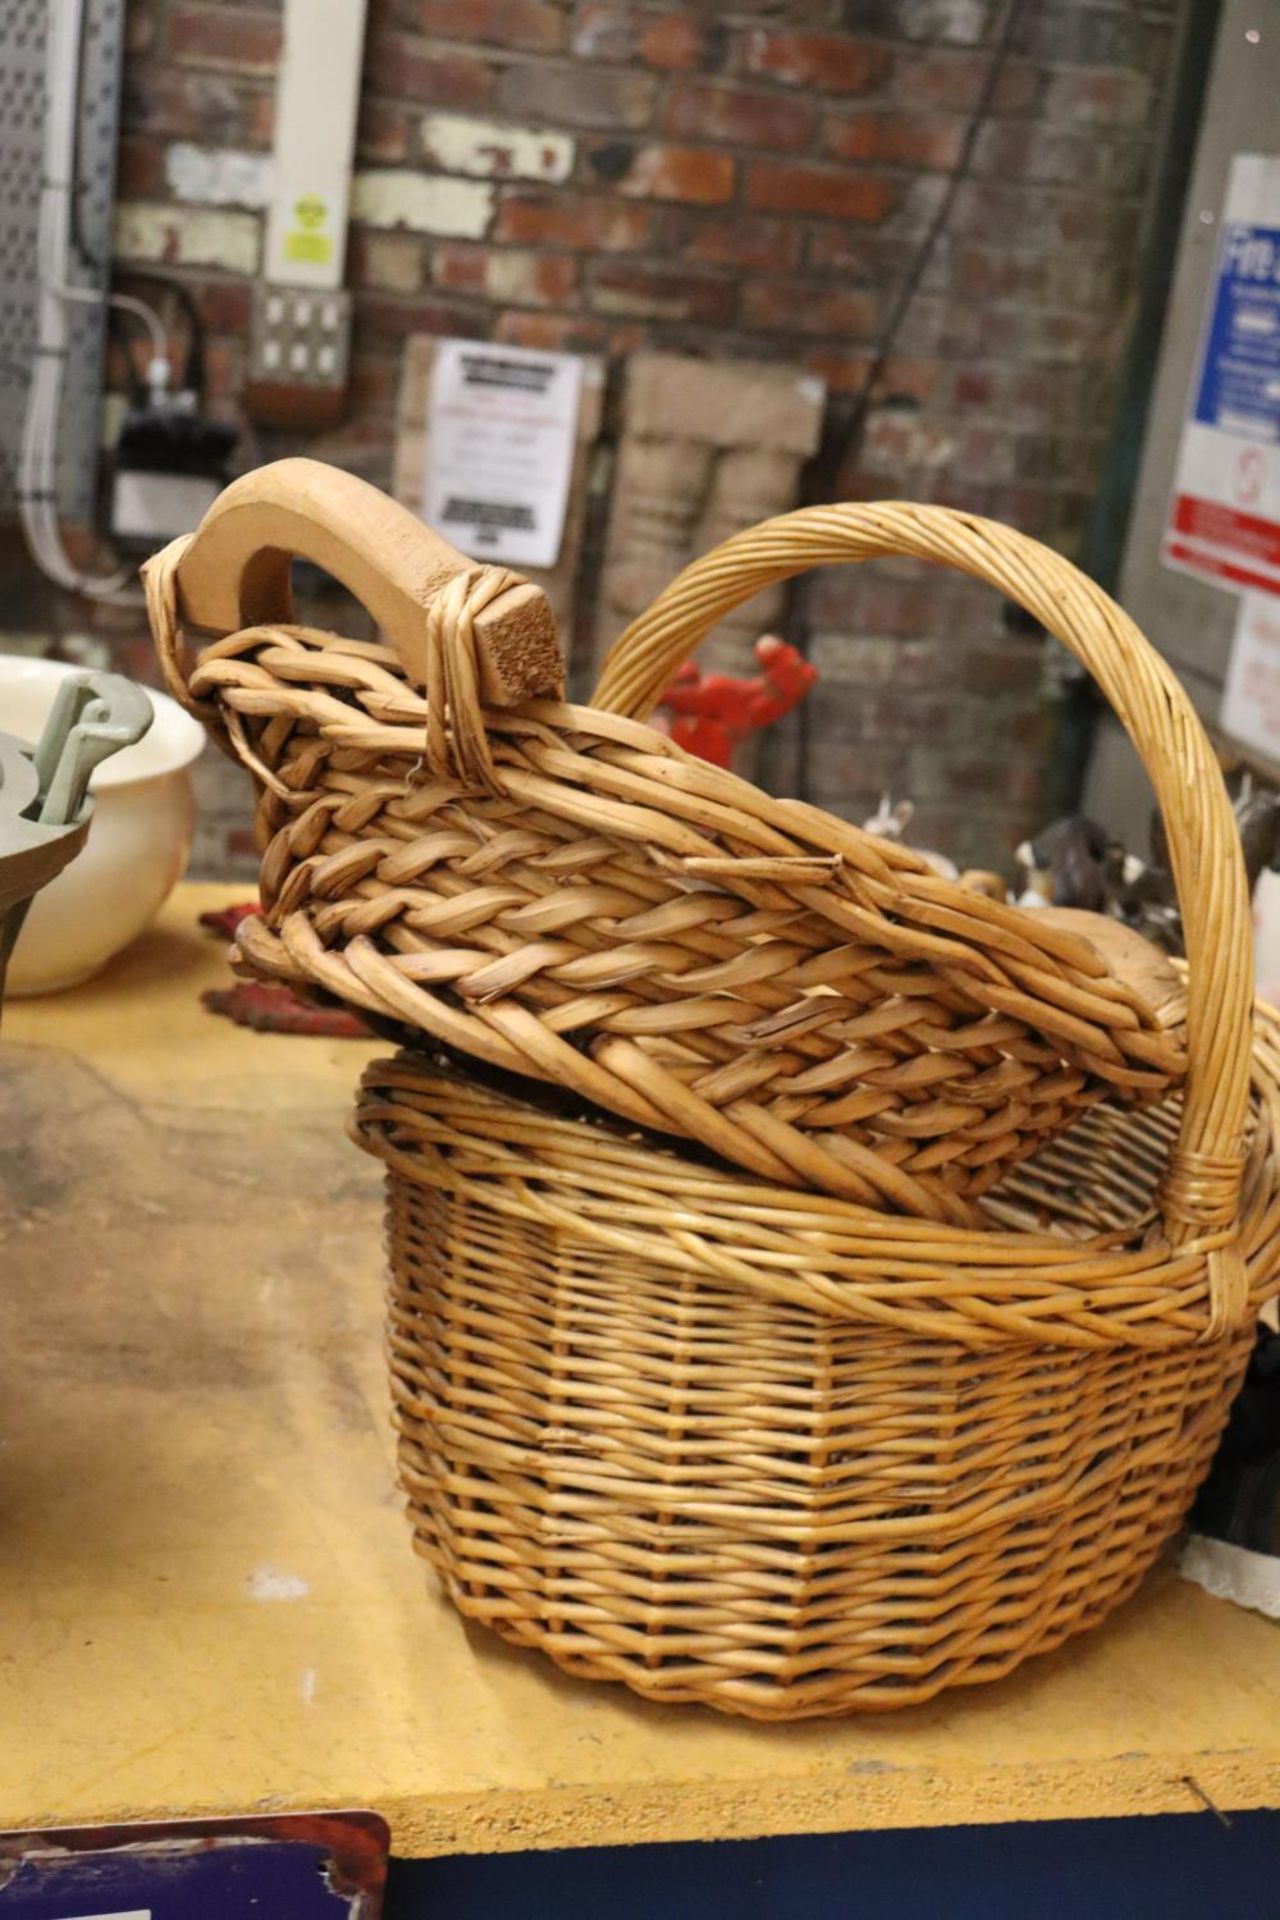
x: 715, y: 1494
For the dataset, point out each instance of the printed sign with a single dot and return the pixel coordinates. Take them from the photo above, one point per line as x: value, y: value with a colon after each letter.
x: 1251, y: 697
x: 307, y: 239
x: 501, y: 432
x: 1224, y: 520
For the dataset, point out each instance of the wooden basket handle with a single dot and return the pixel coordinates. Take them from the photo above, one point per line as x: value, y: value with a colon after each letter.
x: 1202, y: 1187
x: 234, y: 572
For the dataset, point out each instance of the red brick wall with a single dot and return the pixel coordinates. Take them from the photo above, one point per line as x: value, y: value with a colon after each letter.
x: 742, y: 182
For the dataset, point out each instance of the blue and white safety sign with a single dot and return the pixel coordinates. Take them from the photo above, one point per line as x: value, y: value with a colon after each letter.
x: 1224, y: 519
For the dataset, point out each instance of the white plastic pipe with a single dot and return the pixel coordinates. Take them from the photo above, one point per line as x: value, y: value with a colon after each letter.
x: 37, y: 466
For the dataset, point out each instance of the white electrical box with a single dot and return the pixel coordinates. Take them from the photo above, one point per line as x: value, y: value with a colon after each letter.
x: 317, y: 98
x: 155, y: 507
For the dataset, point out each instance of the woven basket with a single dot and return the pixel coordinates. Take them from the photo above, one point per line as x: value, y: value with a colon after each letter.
x: 561, y: 892
x: 777, y: 1453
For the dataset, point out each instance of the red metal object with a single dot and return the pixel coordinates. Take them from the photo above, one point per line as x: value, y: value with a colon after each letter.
x: 270, y: 1008
x: 266, y: 1007
x: 714, y: 712
x: 226, y: 920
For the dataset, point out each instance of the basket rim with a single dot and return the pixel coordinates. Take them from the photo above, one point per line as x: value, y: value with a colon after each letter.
x: 975, y: 1286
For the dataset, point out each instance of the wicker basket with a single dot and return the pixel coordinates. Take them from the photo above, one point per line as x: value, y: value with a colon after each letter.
x: 747, y: 1437
x: 777, y: 1453
x: 561, y: 892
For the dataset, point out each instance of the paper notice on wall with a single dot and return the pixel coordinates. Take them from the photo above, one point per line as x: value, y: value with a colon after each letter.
x: 1224, y: 516
x: 1251, y: 697
x: 501, y: 433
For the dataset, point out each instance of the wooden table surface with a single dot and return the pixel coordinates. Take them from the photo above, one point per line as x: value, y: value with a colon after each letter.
x: 208, y: 1600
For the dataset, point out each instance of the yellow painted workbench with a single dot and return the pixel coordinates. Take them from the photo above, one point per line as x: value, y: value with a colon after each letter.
x: 208, y: 1600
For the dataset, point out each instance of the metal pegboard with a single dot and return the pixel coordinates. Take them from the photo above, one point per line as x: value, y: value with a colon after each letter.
x: 22, y: 48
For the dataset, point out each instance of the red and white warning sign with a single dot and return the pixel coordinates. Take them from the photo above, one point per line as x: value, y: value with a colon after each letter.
x: 1224, y: 517
x: 1251, y: 697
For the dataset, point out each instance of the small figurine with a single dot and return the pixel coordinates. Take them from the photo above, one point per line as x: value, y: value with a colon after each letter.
x: 1073, y: 863
x: 891, y: 818
x: 890, y: 822
x: 1148, y: 898
x: 714, y: 712
x: 1148, y: 903
x: 1257, y: 811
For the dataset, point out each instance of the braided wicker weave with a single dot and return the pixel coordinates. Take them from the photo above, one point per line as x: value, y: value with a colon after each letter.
x: 778, y: 1453
x: 560, y: 892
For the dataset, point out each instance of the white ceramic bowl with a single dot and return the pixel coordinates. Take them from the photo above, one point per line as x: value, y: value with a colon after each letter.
x: 143, y: 819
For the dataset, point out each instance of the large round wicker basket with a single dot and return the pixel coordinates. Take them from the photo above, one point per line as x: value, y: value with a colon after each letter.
x: 776, y: 1453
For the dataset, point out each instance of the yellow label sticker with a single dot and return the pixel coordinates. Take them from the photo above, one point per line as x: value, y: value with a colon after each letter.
x: 316, y: 249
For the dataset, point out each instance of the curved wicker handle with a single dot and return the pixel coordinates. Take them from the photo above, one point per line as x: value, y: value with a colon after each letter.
x: 1202, y: 1188
x: 234, y: 572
